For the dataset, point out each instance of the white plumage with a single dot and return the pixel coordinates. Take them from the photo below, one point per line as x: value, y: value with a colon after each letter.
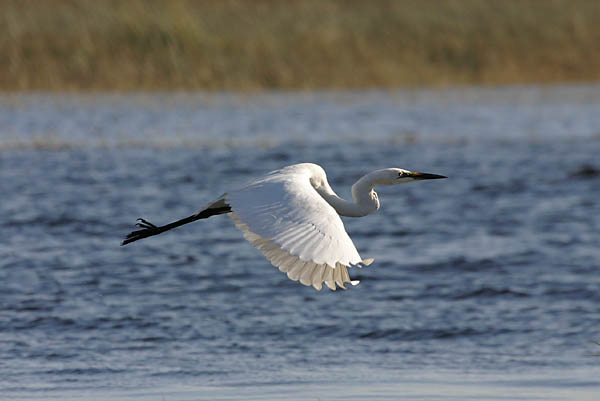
x: 294, y: 227
x: 293, y: 217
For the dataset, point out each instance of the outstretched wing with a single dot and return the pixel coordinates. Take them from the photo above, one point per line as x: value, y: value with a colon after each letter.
x: 295, y: 228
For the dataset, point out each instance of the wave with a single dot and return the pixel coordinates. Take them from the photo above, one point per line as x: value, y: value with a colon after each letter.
x: 428, y: 334
x: 488, y: 292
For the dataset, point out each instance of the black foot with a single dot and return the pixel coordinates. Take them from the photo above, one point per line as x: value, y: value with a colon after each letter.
x: 144, y: 224
x: 147, y: 230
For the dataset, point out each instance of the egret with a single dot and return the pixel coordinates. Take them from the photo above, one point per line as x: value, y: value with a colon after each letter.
x: 293, y: 217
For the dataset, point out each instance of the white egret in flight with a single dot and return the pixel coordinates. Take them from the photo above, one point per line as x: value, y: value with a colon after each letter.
x: 293, y: 217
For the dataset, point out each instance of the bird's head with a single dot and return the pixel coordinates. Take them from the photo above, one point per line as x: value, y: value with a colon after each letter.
x: 394, y: 176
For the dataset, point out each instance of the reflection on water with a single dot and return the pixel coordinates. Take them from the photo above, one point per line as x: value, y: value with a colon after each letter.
x: 490, y: 273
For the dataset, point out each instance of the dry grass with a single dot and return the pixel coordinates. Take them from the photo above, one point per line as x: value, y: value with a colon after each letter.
x: 256, y: 44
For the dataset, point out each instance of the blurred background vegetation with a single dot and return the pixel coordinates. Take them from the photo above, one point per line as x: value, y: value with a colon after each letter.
x: 299, y: 44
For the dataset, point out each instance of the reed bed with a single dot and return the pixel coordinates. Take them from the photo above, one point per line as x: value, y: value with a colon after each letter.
x: 301, y: 44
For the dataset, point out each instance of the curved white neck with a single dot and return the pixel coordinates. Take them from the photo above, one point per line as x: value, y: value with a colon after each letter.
x: 365, y: 200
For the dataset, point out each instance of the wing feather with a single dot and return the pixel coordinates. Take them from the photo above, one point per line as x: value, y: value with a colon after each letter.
x: 306, y: 276
x: 328, y: 278
x: 317, y: 277
x: 296, y: 270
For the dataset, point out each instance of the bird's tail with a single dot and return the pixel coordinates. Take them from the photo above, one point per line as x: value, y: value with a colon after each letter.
x: 148, y: 229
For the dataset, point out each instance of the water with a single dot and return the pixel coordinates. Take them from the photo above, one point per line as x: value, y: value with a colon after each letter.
x: 485, y: 285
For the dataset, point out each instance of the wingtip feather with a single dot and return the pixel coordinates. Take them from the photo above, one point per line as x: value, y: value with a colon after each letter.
x: 367, y: 261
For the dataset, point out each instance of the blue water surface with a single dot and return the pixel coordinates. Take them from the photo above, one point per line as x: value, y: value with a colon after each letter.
x: 484, y: 285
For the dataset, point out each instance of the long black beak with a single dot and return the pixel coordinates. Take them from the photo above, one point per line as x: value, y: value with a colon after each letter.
x: 426, y: 176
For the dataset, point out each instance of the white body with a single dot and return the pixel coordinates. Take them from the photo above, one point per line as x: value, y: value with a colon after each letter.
x: 293, y: 217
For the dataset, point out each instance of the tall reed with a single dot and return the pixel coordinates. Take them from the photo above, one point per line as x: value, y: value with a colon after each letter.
x: 256, y: 44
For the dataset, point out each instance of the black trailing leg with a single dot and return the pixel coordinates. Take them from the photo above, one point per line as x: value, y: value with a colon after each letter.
x: 148, y: 229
